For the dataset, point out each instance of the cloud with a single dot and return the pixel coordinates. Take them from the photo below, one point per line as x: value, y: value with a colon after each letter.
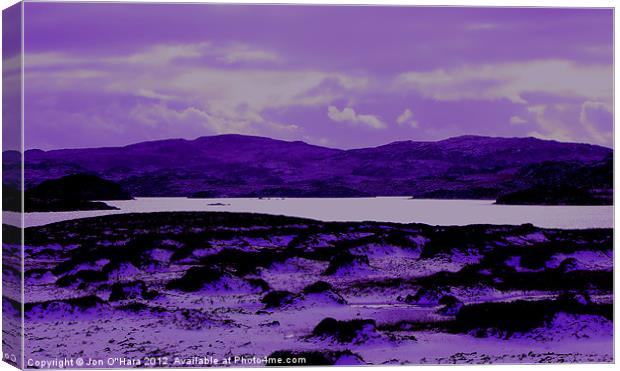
x: 348, y: 115
x: 406, y: 118
x: 156, y: 72
x: 564, y: 100
x: 205, y: 88
x: 245, y: 53
x: 51, y: 59
x: 158, y: 115
x: 589, y: 122
x: 162, y: 55
x: 183, y: 90
x: 146, y: 93
x: 511, y: 80
x: 550, y: 125
x: 517, y: 120
x: 481, y: 26
x: 163, y: 118
x: 256, y: 88
x: 596, y: 119
x: 200, y: 81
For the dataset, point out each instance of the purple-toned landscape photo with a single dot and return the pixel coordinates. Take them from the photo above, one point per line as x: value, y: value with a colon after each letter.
x: 272, y: 185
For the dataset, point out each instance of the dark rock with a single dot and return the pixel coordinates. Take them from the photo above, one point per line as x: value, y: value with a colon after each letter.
x: 64, y: 306
x: 259, y: 283
x: 357, y: 330
x: 325, y: 289
x: 318, y: 287
x: 427, y: 296
x: 568, y: 265
x: 278, y: 299
x: 451, y: 305
x: 270, y: 324
x: 520, y: 316
x: 83, y: 276
x: 196, y: 278
x: 131, y: 291
x: 345, y: 260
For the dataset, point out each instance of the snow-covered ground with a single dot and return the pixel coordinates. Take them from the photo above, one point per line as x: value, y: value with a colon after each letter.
x: 187, y: 285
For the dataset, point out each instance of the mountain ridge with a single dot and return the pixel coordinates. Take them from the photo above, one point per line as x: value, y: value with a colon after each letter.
x: 233, y: 165
x: 449, y: 139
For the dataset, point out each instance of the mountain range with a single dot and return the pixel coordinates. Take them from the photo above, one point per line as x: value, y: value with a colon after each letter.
x: 248, y: 166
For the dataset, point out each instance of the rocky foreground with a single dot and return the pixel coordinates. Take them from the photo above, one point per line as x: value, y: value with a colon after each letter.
x: 189, y: 287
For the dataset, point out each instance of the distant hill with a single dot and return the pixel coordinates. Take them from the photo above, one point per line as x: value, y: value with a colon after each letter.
x: 565, y: 183
x: 247, y: 166
x: 73, y: 192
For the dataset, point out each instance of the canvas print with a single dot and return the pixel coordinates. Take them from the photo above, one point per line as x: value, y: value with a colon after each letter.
x: 193, y: 185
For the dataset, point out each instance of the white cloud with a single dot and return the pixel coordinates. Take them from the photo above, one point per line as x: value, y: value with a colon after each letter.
x: 481, y: 26
x: 348, y: 114
x: 589, y: 122
x: 517, y: 120
x: 233, y: 93
x: 163, y: 55
x: 512, y: 80
x: 199, y: 94
x: 234, y: 99
x: 550, y: 127
x: 255, y: 88
x: 146, y: 93
x: 245, y: 53
x: 201, y: 83
x: 51, y: 59
x: 592, y: 116
x: 194, y: 119
x: 406, y: 118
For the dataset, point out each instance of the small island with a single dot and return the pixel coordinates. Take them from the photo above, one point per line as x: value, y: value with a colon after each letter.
x: 561, y: 196
x: 565, y: 183
x: 75, y: 192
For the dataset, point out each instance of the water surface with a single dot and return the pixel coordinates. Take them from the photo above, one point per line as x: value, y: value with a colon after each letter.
x: 384, y: 209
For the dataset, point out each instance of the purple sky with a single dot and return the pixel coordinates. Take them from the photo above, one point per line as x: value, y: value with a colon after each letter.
x: 112, y: 74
